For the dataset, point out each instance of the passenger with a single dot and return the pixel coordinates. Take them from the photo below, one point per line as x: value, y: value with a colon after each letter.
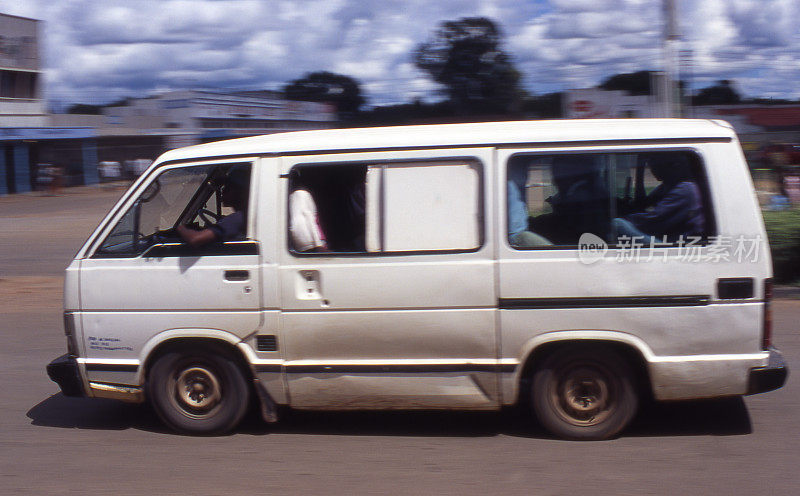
x: 673, y: 210
x: 304, y: 229
x: 357, y: 212
x: 580, y: 204
x: 235, y: 192
x: 518, y: 234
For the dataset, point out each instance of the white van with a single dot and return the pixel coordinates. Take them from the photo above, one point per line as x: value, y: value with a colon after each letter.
x: 572, y: 266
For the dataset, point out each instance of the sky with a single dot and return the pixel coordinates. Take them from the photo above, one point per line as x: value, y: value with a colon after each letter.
x: 97, y: 51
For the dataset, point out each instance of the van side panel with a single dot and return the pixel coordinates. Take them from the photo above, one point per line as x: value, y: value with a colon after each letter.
x: 395, y: 330
x: 695, y: 344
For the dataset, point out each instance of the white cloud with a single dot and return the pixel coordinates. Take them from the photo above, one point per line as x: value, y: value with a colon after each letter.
x: 99, y: 51
x: 570, y: 6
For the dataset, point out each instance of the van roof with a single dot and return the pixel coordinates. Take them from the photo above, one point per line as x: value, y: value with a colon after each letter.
x: 502, y: 133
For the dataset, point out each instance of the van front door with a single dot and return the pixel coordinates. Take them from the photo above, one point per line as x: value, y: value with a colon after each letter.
x: 142, y: 280
x: 397, y: 310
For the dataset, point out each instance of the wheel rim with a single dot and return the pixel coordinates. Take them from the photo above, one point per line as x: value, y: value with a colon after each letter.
x: 197, y: 391
x: 584, y: 395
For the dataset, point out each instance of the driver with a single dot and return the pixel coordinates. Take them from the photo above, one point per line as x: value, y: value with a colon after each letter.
x: 234, y: 194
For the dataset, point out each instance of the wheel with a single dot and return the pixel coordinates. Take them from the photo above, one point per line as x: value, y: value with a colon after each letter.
x: 584, y: 393
x: 198, y: 391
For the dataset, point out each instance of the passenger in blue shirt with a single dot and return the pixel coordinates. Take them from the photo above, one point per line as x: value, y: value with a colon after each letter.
x: 672, y: 211
x: 519, y: 236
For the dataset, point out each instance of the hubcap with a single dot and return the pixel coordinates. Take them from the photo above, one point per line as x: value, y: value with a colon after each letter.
x: 197, y: 390
x: 584, y: 396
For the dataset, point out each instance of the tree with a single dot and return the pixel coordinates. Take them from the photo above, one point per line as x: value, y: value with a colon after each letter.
x: 635, y: 83
x: 466, y: 57
x: 342, y: 91
x: 547, y: 106
x: 85, y: 109
x: 722, y: 93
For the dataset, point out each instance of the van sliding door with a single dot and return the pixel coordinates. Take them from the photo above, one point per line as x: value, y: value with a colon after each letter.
x: 403, y: 315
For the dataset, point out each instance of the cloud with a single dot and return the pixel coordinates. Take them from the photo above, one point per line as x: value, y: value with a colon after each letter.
x: 572, y: 6
x: 764, y: 24
x: 595, y: 25
x: 99, y: 51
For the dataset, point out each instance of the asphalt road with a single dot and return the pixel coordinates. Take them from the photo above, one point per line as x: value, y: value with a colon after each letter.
x: 50, y: 444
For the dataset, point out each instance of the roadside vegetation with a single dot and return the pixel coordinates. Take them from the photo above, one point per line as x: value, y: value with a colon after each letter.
x: 783, y: 231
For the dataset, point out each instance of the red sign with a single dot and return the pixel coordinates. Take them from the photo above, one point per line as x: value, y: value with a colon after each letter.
x: 582, y: 105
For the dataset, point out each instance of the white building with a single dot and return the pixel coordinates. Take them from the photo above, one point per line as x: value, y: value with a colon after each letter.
x: 21, y: 103
x: 27, y: 141
x: 594, y: 103
x: 144, y: 128
x: 193, y: 116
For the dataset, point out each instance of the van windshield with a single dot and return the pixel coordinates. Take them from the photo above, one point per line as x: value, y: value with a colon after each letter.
x: 187, y: 194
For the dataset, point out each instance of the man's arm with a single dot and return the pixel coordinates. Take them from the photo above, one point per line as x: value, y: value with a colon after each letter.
x: 196, y: 238
x: 673, y: 208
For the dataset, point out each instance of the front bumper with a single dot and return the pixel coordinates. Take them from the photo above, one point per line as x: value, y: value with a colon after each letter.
x: 771, y: 377
x: 64, y: 372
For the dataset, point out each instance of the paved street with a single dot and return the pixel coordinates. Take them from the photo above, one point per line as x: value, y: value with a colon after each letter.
x: 50, y: 444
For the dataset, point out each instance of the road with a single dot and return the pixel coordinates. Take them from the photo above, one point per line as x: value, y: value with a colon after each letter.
x: 50, y: 444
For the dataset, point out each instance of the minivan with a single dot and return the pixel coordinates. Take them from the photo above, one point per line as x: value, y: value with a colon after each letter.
x: 574, y: 267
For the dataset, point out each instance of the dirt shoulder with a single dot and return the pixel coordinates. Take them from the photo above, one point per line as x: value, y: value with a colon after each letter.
x: 30, y: 293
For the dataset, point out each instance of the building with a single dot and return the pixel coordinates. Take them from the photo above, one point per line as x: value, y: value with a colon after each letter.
x: 33, y: 142
x: 754, y: 123
x: 594, y: 103
x: 194, y: 116
x: 21, y: 101
x: 767, y: 122
x: 143, y: 128
x: 27, y: 141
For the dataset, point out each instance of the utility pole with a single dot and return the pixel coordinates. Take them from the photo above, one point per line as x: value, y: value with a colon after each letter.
x: 687, y: 73
x: 669, y: 87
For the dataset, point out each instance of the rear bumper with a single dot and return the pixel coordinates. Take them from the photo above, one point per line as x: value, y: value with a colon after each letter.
x: 64, y: 372
x: 771, y: 377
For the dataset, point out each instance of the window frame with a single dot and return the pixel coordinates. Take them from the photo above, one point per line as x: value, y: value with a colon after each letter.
x: 477, y: 164
x: 130, y: 203
x: 699, y: 167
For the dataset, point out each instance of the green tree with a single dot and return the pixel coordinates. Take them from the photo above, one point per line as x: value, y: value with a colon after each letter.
x: 85, y: 109
x: 466, y: 57
x: 635, y: 83
x: 547, y: 106
x: 342, y: 91
x: 722, y: 93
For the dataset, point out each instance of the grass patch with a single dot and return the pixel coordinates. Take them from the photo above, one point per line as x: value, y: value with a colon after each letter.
x: 783, y: 231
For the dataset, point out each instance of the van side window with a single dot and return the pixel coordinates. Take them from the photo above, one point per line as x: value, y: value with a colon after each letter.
x: 327, y: 208
x: 390, y: 208
x: 658, y: 198
x: 185, y: 195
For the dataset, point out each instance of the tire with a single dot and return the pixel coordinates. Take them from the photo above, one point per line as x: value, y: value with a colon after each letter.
x: 198, y: 391
x: 584, y: 393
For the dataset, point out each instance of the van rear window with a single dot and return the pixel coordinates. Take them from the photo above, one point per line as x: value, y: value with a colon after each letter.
x: 657, y: 198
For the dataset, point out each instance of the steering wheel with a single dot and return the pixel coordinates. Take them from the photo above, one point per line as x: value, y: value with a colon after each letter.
x: 208, y: 216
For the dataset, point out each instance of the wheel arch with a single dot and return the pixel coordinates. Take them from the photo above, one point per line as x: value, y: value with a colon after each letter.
x: 632, y: 349
x: 223, y: 341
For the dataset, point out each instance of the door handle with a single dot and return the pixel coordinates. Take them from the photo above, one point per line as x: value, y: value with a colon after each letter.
x: 237, y: 275
x: 308, y: 286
